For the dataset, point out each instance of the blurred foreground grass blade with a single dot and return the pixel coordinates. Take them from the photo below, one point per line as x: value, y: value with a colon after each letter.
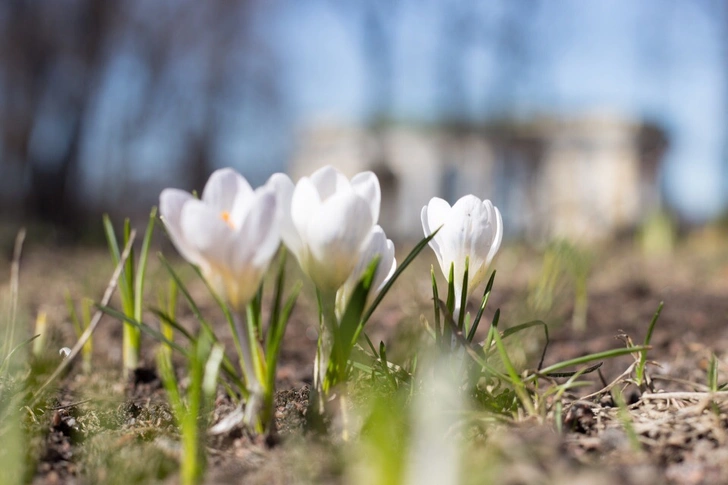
x: 626, y: 419
x: 191, y: 412
x: 6, y: 361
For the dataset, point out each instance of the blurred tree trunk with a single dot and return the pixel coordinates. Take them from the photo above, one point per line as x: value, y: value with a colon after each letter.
x: 50, y: 71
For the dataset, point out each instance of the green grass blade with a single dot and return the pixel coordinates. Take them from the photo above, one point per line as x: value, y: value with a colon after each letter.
x: 640, y: 370
x: 124, y: 289
x: 129, y: 265
x: 159, y: 336
x: 152, y: 332
x: 463, y: 296
x: 435, y: 300
x: 142, y: 265
x: 450, y: 308
x: 713, y: 373
x: 518, y: 385
x: 186, y: 294
x: 475, y: 354
x: 274, y: 319
x: 12, y: 352
x: 523, y: 326
x: 352, y: 322
x: 182, y: 288
x: 608, y: 354
x: 168, y: 320
x: 483, y: 304
x: 371, y: 345
x: 274, y: 344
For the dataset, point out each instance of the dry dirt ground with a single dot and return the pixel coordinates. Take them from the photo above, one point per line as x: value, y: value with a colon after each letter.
x: 84, y: 431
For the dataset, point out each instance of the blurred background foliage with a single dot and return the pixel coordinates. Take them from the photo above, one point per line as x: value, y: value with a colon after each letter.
x: 102, y: 104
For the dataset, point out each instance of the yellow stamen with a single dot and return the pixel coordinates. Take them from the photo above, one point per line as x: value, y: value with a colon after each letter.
x: 225, y: 216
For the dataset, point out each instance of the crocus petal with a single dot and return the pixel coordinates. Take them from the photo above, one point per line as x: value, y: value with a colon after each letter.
x: 376, y: 244
x: 223, y: 187
x: 434, y: 215
x: 498, y: 237
x: 171, y: 202
x: 366, y: 185
x: 206, y: 231
x: 252, y: 247
x: 259, y: 237
x: 329, y: 181
x: 242, y: 205
x: 471, y: 229
x: 387, y: 260
x: 305, y: 203
x: 438, y: 211
x: 467, y: 234
x: 283, y: 188
x: 335, y: 235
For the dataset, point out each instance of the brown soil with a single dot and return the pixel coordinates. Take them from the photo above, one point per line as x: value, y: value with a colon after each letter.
x: 680, y: 440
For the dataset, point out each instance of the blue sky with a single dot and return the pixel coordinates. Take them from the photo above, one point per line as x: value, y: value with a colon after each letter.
x: 657, y: 60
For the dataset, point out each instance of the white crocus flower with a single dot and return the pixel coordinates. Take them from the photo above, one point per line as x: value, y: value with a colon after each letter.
x: 329, y: 222
x: 376, y: 245
x: 231, y: 233
x: 471, y: 229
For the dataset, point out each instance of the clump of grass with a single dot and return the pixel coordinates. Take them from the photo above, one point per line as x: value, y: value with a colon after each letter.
x: 131, y: 286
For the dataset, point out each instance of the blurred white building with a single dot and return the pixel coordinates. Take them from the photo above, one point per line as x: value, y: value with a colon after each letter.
x: 585, y: 179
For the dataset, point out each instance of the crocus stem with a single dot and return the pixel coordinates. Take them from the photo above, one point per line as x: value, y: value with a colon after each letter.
x: 256, y: 398
x: 327, y: 327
